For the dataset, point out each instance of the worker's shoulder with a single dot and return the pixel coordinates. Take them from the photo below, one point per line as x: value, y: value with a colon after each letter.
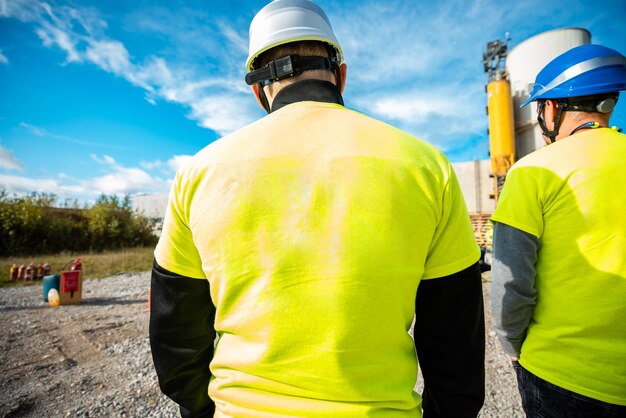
x: 576, y: 150
x: 539, y: 157
x: 548, y: 156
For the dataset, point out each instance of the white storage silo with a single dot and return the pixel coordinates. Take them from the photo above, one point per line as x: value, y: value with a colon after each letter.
x: 523, y: 63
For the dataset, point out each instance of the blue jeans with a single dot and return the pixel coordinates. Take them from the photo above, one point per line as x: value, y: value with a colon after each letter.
x: 541, y: 399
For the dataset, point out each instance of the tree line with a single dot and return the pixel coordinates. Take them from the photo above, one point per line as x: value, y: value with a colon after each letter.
x: 32, y: 224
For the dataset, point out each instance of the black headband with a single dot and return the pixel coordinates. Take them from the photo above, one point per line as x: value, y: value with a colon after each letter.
x: 288, y: 66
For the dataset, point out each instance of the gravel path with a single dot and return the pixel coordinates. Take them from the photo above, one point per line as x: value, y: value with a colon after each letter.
x: 93, y: 359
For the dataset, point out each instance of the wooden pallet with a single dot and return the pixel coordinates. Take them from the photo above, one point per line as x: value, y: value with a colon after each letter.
x: 482, y: 227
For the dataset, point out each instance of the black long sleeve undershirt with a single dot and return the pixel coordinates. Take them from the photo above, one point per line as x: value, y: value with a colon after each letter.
x: 450, y: 343
x: 182, y: 332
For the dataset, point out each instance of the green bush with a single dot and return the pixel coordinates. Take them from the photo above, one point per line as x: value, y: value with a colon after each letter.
x: 33, y: 225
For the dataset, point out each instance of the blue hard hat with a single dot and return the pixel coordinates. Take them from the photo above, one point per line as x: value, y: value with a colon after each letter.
x: 582, y: 71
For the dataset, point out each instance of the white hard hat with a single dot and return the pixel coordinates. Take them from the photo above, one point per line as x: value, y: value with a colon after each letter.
x: 284, y: 21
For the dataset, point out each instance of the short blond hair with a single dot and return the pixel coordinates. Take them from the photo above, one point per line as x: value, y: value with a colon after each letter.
x: 302, y: 48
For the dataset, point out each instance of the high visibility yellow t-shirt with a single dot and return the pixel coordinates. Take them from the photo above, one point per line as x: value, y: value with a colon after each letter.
x: 572, y: 196
x: 314, y: 227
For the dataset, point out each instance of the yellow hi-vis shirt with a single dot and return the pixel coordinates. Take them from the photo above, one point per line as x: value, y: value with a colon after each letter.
x: 572, y: 196
x: 314, y: 227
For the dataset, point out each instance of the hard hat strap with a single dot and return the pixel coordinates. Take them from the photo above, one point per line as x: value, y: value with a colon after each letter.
x: 289, y: 66
x: 335, y: 58
x: 557, y: 119
x: 337, y: 74
x: 263, y: 98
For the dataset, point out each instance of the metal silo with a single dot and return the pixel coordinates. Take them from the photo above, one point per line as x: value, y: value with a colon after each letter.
x: 522, y: 65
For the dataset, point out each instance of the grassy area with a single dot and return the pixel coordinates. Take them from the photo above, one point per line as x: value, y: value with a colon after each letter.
x: 95, y: 265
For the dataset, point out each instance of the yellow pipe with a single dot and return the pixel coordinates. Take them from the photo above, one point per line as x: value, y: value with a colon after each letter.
x: 501, y: 126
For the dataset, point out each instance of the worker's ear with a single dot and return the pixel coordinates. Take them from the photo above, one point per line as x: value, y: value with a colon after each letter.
x: 343, y: 70
x: 255, y: 90
x: 549, y: 113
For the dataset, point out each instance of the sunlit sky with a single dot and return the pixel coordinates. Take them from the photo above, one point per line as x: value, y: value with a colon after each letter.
x: 112, y: 96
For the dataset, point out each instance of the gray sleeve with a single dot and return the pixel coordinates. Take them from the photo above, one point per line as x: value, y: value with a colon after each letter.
x: 513, y: 293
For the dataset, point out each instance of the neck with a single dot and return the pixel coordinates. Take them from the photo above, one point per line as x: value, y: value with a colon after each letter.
x: 307, y: 90
x: 573, y: 126
x: 585, y: 125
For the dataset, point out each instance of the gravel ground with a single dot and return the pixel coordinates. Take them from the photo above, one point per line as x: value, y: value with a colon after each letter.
x: 93, y: 359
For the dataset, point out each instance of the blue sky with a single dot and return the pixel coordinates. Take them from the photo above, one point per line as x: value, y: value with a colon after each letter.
x: 112, y: 96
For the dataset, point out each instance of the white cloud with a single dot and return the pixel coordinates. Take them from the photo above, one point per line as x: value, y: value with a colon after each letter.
x: 35, y: 130
x: 178, y: 161
x: 24, y: 10
x: 111, y: 56
x: 223, y: 113
x: 373, y: 48
x: 172, y: 165
x: 8, y: 161
x: 20, y: 185
x: 192, y: 34
x: 118, y: 180
x: 150, y: 98
x: 105, y: 160
x: 153, y: 74
x: 151, y: 165
x: 3, y: 58
x: 57, y: 32
x: 446, y: 116
x: 79, y: 32
x: 126, y: 180
x: 418, y: 105
x: 412, y: 109
x: 432, y: 112
x: 236, y: 39
x: 122, y: 180
x: 188, y: 91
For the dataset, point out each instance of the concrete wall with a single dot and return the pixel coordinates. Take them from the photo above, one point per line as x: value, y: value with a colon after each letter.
x: 476, y: 184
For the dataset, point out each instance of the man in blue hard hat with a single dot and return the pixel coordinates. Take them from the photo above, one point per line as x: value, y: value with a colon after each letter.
x: 559, y: 270
x: 307, y: 242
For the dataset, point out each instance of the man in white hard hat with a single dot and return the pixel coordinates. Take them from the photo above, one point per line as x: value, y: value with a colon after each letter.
x: 306, y: 243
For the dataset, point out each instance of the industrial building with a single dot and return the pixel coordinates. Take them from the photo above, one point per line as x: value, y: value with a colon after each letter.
x: 150, y: 205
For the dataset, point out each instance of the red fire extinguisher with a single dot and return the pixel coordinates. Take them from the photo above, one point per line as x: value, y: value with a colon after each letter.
x: 39, y: 274
x: 76, y: 265
x: 30, y: 272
